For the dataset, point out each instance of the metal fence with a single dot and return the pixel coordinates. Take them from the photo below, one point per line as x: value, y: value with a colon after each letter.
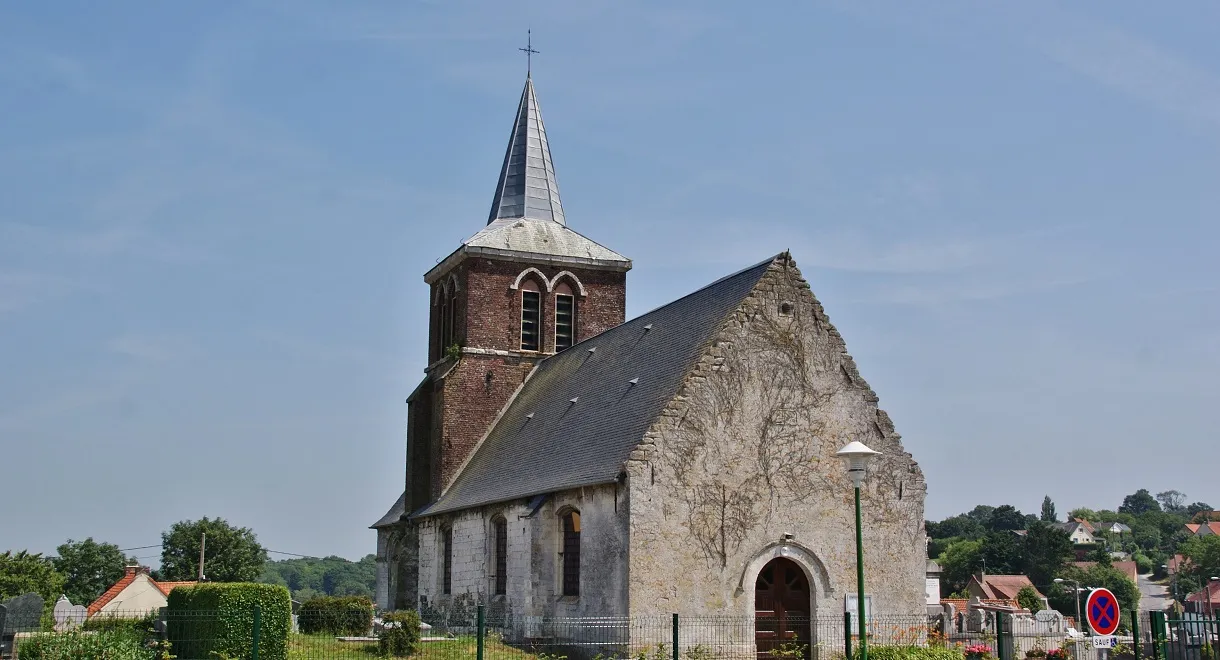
x: 480, y: 635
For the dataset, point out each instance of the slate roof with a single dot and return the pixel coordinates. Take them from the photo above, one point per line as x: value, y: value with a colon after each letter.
x: 541, y: 237
x: 576, y: 419
x: 527, y: 187
x: 394, y: 514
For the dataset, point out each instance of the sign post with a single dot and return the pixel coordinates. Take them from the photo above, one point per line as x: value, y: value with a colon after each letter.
x: 1103, y: 614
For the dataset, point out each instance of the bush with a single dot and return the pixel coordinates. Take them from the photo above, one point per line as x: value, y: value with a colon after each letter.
x: 1143, y: 563
x: 912, y: 653
x: 218, y: 619
x: 400, y: 636
x: 141, y: 628
x: 348, y: 615
x: 108, y: 645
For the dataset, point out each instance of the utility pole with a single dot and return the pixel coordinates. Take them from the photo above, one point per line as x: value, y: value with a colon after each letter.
x: 203, y: 544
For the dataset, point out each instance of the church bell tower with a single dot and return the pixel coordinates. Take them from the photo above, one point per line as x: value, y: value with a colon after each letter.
x: 524, y: 287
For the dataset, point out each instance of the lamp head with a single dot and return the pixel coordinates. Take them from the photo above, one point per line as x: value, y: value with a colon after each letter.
x: 856, y: 456
x: 1058, y: 580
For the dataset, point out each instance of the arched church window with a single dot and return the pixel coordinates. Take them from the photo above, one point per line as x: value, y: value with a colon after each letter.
x: 531, y: 316
x: 499, y: 533
x: 570, y: 551
x: 447, y: 559
x: 565, y: 317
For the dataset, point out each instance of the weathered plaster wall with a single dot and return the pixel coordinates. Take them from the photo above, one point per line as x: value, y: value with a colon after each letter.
x: 745, y: 455
x: 533, y: 559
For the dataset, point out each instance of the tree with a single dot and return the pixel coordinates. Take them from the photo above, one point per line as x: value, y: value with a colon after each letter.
x: 1005, y: 518
x: 1083, y: 514
x: 1029, y: 599
x: 1139, y: 502
x: 24, y: 572
x: 1048, y: 511
x: 1047, y: 551
x: 89, y: 568
x: 981, y: 513
x: 959, y: 562
x: 960, y: 526
x: 332, y: 576
x: 1203, y: 553
x: 231, y: 554
x: 1001, y: 553
x: 1173, y: 501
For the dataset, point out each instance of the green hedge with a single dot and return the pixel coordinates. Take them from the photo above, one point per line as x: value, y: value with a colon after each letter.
x: 911, y: 653
x: 107, y: 645
x: 336, y: 615
x: 400, y: 637
x: 214, y: 619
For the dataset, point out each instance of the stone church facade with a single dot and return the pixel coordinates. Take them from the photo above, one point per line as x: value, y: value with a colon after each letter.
x: 563, y: 462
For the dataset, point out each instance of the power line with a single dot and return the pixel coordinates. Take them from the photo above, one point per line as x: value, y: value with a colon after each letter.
x: 292, y: 554
x: 143, y: 547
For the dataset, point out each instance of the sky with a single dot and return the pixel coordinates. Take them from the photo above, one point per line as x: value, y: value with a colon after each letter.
x: 215, y: 218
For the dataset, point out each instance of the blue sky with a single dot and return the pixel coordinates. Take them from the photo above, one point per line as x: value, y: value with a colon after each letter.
x: 214, y: 219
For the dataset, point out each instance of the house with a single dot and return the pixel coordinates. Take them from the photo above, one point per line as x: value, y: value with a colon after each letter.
x: 999, y: 587
x: 1203, y: 529
x: 1112, y: 528
x: 134, y: 595
x: 1080, y: 531
x: 565, y: 462
x: 1205, y: 601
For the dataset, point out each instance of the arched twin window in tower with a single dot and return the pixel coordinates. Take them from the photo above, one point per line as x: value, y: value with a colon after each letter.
x: 447, y: 305
x: 562, y: 292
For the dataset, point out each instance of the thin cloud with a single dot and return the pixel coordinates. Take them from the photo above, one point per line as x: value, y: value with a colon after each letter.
x: 153, y: 348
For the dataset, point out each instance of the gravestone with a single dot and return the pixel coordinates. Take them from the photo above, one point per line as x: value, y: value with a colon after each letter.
x: 68, y: 616
x: 24, y: 614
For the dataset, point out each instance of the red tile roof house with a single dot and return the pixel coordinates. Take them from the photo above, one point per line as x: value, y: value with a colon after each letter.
x: 999, y: 587
x: 1203, y: 529
x: 1205, y: 601
x: 134, y: 595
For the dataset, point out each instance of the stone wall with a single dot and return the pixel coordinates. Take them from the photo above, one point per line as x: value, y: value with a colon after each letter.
x: 533, y: 559
x: 740, y: 468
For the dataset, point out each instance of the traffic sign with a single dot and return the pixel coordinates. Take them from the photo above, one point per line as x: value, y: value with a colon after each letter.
x: 1102, y: 611
x: 1104, y: 641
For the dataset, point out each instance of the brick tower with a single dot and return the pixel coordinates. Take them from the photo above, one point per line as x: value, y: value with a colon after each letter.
x: 524, y: 287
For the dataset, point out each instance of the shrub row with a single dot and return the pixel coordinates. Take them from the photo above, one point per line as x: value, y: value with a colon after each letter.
x: 105, y: 645
x: 209, y: 620
x: 336, y: 615
x: 912, y: 652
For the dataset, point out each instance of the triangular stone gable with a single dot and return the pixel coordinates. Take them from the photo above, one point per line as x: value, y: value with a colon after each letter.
x: 744, y: 455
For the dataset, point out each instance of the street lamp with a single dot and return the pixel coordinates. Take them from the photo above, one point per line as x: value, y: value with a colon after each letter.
x: 856, y: 456
x: 1076, y: 586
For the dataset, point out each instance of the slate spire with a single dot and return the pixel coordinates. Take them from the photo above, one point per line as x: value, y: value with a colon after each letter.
x: 527, y: 187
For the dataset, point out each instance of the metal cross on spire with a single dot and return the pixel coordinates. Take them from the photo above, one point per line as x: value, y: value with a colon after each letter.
x: 529, y: 52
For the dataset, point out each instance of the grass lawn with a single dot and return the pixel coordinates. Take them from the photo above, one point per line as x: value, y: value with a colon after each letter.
x: 326, y: 647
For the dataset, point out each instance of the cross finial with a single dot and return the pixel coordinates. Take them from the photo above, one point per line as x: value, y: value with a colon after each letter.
x: 529, y: 52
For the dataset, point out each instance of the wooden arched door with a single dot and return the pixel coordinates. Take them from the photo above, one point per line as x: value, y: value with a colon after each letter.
x: 781, y: 607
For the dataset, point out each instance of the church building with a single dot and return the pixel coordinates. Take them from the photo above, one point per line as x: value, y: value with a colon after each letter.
x: 562, y: 461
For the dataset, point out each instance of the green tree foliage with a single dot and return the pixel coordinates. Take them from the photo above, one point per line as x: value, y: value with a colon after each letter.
x: 1204, y: 555
x: 24, y: 572
x: 333, y: 576
x: 1005, y: 518
x: 1048, y: 511
x: 1083, y: 514
x: 89, y: 568
x: 981, y: 514
x: 958, y: 562
x: 1029, y: 599
x: 961, y: 526
x: 1127, y: 593
x: 1046, y: 550
x: 1139, y: 502
x: 1172, y: 501
x: 232, y: 554
x: 1002, y: 554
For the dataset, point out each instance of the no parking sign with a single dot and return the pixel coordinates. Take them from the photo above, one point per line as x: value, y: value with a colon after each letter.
x: 1102, y: 611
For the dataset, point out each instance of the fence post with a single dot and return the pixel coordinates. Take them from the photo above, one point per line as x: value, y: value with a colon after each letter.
x: 675, y: 636
x: 482, y: 632
x: 1136, y: 642
x: 847, y: 635
x: 1000, y: 651
x: 258, y: 620
x: 1156, y: 622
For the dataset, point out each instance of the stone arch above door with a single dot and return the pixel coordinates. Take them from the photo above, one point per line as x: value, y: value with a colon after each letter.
x: 815, y: 571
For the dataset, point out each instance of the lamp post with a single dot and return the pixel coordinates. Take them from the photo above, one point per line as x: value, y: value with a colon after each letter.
x: 856, y: 456
x: 1076, y: 590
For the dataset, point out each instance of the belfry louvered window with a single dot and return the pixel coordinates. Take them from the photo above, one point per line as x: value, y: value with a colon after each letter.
x: 565, y: 318
x: 531, y: 318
